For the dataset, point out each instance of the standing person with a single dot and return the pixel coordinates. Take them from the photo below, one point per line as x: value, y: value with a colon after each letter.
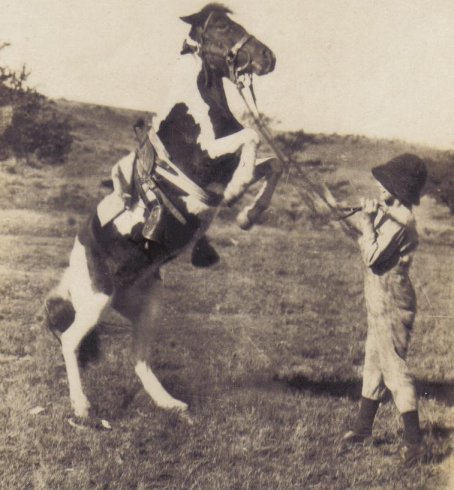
x: 388, y: 241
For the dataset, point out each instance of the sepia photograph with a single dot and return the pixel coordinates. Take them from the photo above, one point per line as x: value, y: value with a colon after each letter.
x: 227, y: 244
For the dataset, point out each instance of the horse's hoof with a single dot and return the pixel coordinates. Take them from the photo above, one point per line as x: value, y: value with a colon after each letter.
x: 250, y: 216
x: 181, y: 407
x: 81, y: 408
x: 185, y: 417
x: 203, y: 254
x: 82, y: 412
x: 174, y: 404
x: 230, y: 201
x: 243, y: 220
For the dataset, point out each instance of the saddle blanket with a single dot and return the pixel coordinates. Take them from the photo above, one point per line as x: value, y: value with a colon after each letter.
x: 112, y: 208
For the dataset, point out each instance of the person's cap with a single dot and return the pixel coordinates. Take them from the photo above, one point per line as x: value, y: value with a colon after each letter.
x: 404, y: 177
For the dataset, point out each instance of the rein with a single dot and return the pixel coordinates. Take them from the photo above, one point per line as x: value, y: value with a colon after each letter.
x: 237, y: 75
x: 320, y: 190
x: 153, y: 159
x: 238, y: 78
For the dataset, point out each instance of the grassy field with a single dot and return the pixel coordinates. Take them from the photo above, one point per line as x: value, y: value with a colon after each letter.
x: 267, y: 349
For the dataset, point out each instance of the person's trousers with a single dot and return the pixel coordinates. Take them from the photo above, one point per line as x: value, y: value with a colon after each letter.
x: 385, y: 365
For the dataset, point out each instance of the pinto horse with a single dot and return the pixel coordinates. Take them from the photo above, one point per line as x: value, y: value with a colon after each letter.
x: 110, y: 264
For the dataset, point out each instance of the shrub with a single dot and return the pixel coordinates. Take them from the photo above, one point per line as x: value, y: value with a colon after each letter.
x: 36, y: 129
x: 294, y: 142
x: 440, y: 181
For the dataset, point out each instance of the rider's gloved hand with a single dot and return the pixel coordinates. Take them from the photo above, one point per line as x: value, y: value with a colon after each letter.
x: 126, y: 197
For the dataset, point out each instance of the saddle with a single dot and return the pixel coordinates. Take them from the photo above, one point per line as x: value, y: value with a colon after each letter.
x: 154, y: 198
x: 163, y: 221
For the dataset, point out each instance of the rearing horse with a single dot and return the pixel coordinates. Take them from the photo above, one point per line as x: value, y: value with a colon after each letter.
x: 110, y: 263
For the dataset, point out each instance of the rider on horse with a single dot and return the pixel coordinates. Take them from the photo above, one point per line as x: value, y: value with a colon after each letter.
x: 133, y: 183
x: 138, y: 203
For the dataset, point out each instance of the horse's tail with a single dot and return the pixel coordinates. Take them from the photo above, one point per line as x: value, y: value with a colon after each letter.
x: 59, y: 314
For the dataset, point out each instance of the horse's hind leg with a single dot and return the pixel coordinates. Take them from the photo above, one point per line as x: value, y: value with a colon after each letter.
x: 71, y: 340
x: 143, y: 307
x: 88, y: 305
x: 155, y: 389
x: 271, y: 170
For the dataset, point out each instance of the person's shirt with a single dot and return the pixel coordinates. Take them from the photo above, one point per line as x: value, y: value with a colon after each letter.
x: 389, y: 240
x: 122, y: 174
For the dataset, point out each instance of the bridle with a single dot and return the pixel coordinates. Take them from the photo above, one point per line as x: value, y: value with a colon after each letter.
x: 237, y: 74
x: 243, y: 81
x: 244, y: 85
x: 230, y: 56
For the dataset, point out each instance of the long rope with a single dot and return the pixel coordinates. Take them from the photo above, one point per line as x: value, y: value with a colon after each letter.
x: 324, y: 193
x: 320, y: 190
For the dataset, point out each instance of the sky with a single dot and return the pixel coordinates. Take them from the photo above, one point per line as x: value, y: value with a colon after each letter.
x: 380, y: 68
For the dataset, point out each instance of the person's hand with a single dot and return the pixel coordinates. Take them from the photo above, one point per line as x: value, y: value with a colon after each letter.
x: 370, y: 206
x: 126, y: 198
x: 369, y: 210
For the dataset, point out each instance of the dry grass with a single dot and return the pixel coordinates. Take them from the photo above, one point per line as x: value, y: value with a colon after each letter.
x: 267, y: 349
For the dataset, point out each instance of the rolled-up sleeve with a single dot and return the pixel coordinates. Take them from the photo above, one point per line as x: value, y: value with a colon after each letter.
x: 378, y: 246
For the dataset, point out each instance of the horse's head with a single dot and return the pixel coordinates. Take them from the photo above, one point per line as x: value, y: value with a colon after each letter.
x: 225, y: 46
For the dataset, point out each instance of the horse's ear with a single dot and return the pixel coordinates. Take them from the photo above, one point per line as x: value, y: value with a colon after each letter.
x: 193, y: 19
x: 200, y: 17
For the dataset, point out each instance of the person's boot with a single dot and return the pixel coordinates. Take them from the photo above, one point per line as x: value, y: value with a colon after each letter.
x: 362, y: 429
x: 413, y: 450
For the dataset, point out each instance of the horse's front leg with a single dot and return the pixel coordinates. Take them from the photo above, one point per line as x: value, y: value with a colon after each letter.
x: 249, y: 170
x: 270, y: 169
x: 246, y: 140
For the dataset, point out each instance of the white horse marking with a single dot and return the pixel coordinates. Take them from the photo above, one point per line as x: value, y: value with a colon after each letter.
x: 155, y: 389
x: 130, y: 217
x: 62, y: 289
x: 246, y: 140
x: 150, y: 317
x: 198, y: 208
x: 184, y: 89
x: 88, y: 305
x: 270, y: 168
x: 230, y: 144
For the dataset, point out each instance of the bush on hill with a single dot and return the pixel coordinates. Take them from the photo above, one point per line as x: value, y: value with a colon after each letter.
x: 33, y: 127
x: 440, y: 182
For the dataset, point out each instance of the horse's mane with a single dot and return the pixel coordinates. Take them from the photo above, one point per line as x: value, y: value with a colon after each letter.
x: 215, y: 7
x: 200, y: 17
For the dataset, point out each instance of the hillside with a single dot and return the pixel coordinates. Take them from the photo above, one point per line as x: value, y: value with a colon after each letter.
x: 104, y: 134
x: 266, y: 347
